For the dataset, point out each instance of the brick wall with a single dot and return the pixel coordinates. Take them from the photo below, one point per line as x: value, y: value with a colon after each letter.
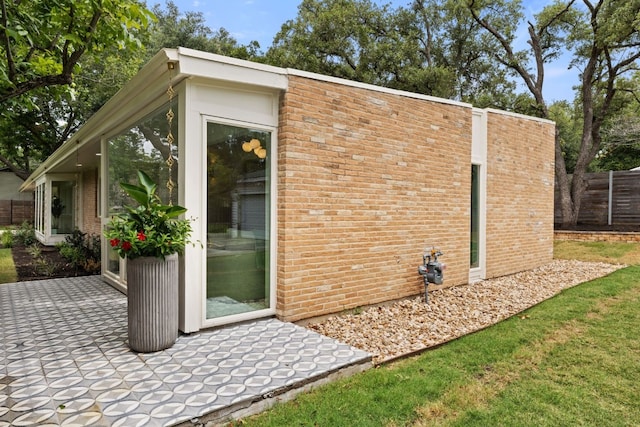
x: 90, y: 218
x: 366, y: 180
x: 597, y: 236
x: 520, y: 176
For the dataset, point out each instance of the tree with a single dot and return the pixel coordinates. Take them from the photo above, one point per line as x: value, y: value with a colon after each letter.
x: 352, y: 39
x: 448, y: 38
x: 621, y: 134
x: 175, y: 29
x: 431, y: 47
x: 36, y: 123
x: 41, y: 42
x: 48, y: 51
x: 604, y: 39
x: 568, y: 119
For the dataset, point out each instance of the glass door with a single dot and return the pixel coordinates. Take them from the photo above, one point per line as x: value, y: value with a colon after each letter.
x: 238, y: 220
x: 62, y: 207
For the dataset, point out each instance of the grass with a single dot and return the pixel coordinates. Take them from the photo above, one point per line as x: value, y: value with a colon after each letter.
x: 572, y: 360
x: 622, y: 253
x: 7, y: 269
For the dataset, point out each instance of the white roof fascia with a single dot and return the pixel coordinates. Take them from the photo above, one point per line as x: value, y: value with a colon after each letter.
x: 222, y: 68
x: 368, y: 86
x: 522, y: 116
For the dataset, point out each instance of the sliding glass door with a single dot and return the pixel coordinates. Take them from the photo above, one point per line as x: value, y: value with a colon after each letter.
x: 238, y: 220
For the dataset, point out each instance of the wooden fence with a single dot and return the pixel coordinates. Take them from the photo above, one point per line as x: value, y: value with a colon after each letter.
x: 15, y: 212
x: 611, y: 198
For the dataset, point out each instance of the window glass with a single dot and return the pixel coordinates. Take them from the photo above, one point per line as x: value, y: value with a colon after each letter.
x: 238, y: 205
x: 62, y: 207
x: 475, y: 216
x: 143, y: 147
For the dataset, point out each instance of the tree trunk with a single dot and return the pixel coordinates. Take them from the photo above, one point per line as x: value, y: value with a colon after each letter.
x: 17, y: 171
x: 568, y: 213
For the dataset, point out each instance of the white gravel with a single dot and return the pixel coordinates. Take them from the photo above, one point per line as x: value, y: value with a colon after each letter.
x: 406, y: 326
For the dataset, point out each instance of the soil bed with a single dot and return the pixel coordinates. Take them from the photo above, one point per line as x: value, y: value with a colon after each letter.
x: 49, y: 264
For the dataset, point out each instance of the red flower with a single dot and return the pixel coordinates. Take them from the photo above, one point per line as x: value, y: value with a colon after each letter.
x: 141, y: 236
x: 126, y: 246
x: 114, y: 242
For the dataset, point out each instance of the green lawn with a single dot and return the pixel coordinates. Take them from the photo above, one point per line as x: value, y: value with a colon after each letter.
x: 7, y: 269
x: 572, y: 360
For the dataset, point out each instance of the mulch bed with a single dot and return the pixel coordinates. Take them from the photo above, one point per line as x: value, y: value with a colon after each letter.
x: 48, y: 265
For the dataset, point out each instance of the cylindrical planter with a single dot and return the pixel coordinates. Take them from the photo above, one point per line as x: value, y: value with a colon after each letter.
x: 152, y: 302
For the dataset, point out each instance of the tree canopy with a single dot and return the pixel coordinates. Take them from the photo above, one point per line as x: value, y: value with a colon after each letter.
x: 433, y: 47
x: 42, y: 42
x: 54, y: 76
x: 62, y: 60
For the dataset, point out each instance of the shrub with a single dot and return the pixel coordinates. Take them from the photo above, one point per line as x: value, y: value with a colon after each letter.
x: 7, y: 239
x: 25, y: 234
x: 34, y: 250
x: 82, y: 250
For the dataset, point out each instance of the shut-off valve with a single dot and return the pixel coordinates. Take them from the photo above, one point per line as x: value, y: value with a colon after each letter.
x: 431, y: 270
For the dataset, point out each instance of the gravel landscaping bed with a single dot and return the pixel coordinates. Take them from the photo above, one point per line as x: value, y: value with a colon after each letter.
x: 410, y: 325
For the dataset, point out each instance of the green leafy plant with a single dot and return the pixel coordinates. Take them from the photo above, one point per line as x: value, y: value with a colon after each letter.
x: 25, y: 234
x: 81, y: 250
x: 151, y: 229
x: 6, y: 239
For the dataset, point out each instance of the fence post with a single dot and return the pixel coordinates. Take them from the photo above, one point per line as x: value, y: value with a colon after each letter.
x: 610, y: 197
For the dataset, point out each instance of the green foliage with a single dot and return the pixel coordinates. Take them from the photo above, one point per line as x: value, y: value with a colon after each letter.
x: 53, y: 57
x: 568, y: 120
x: 621, y: 133
x: 433, y: 47
x: 8, y: 272
x: 40, y: 263
x: 6, y: 239
x: 82, y: 250
x: 175, y: 29
x: 42, y: 42
x: 25, y: 234
x: 34, y: 250
x: 151, y: 228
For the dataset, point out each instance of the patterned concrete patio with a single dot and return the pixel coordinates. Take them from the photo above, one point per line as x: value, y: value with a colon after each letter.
x: 64, y: 360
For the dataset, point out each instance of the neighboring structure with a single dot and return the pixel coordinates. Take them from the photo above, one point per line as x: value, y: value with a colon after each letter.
x: 310, y: 194
x: 15, y: 206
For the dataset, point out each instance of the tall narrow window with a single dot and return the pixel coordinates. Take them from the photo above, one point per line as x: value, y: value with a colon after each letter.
x: 238, y: 205
x: 475, y: 216
x: 141, y: 147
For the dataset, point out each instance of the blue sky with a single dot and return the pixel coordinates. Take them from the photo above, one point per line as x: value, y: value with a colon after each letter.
x: 260, y: 20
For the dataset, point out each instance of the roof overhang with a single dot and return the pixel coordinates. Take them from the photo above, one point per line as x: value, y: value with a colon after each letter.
x: 147, y: 86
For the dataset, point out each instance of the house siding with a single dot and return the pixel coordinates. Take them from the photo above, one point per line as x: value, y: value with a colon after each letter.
x: 520, y: 179
x: 366, y: 181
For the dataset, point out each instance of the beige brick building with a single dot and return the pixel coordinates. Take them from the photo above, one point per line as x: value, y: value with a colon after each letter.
x: 310, y: 194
